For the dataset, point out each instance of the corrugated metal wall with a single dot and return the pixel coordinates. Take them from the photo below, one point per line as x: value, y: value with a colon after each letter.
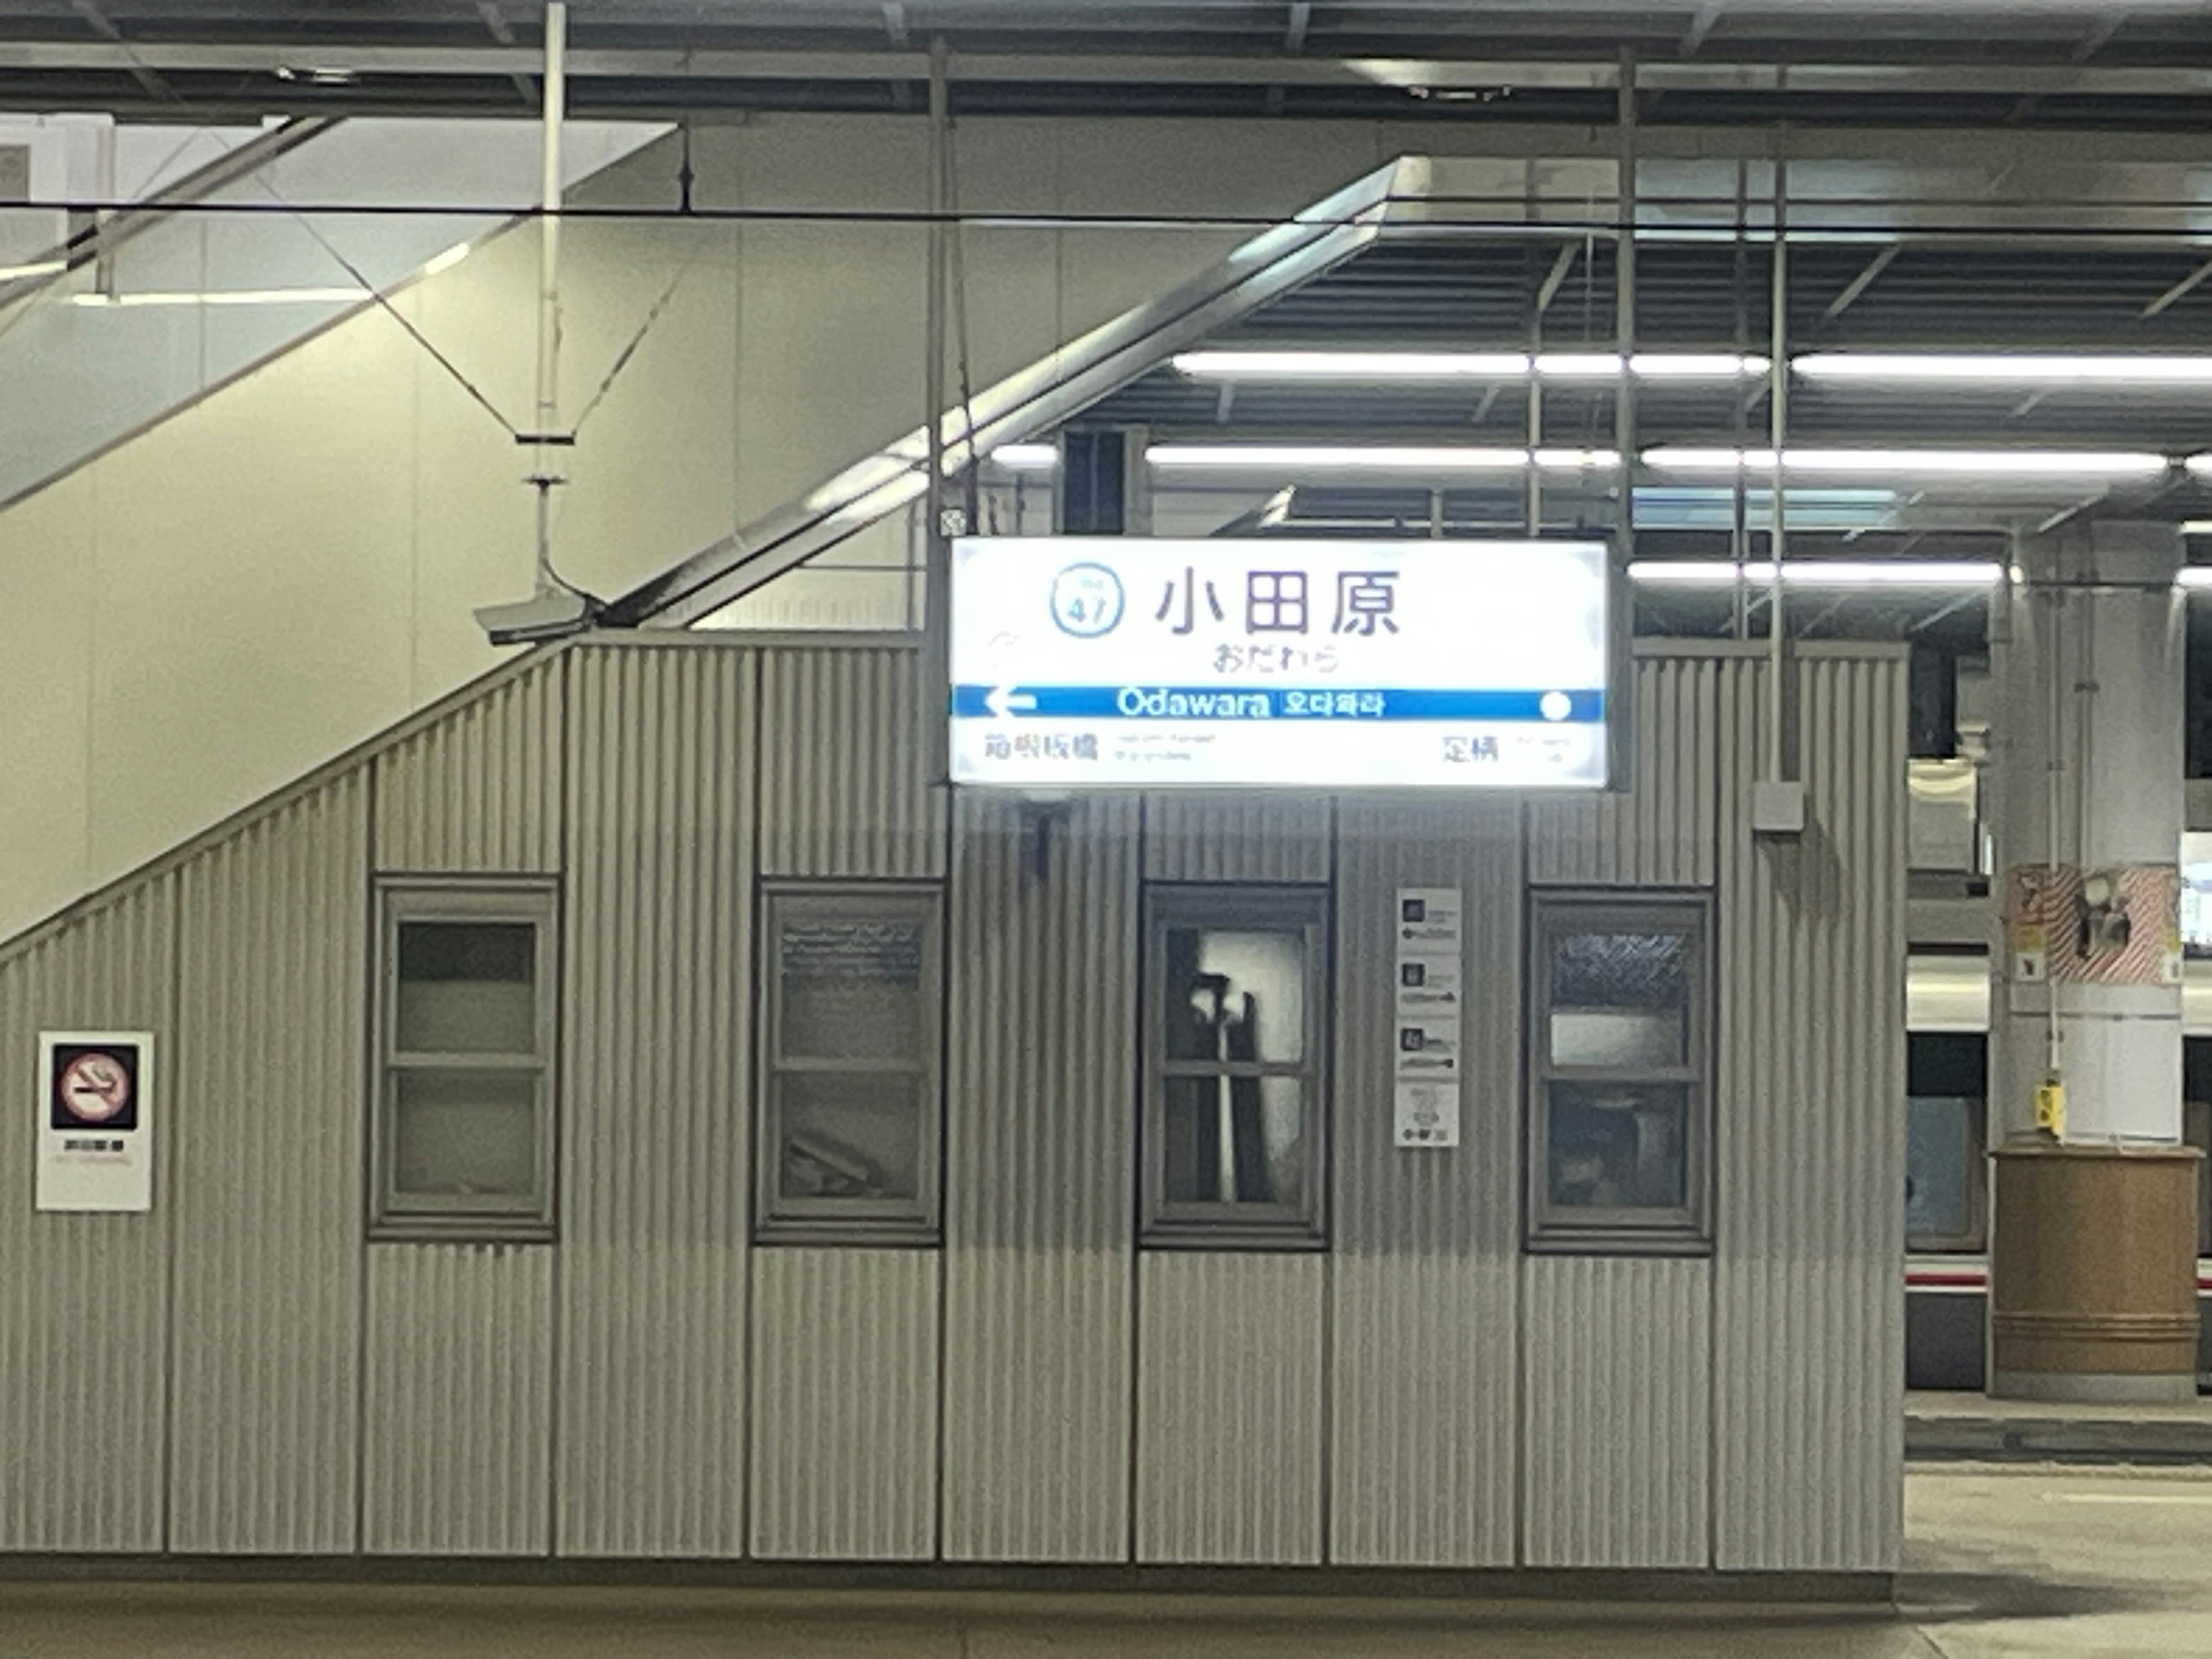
x: 457, y: 1410
x: 457, y: 1418
x: 652, y: 1277
x: 1618, y: 1355
x: 844, y: 1424
x: 1276, y: 837
x: 478, y: 789
x: 848, y: 734
x: 1426, y: 1264
x: 84, y: 1327
x: 1664, y: 829
x: 1040, y: 1108
x: 845, y: 1341
x: 266, y: 1182
x: 1810, y: 1353
x: 1421, y: 1395
x: 1230, y: 1435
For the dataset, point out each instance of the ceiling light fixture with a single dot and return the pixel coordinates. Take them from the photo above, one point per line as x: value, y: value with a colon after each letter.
x: 446, y: 261
x: 2006, y: 368
x: 1387, y: 367
x: 1025, y: 457
x: 2062, y: 463
x: 1812, y: 573
x: 1369, y: 458
x: 273, y: 296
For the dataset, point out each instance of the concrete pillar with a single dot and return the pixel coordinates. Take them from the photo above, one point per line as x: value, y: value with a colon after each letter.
x: 2093, y: 1249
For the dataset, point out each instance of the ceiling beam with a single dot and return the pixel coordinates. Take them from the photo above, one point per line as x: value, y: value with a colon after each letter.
x: 2099, y: 35
x: 1865, y: 278
x: 1701, y: 25
x: 1556, y: 278
x: 1099, y: 68
x: 104, y: 27
x: 2180, y: 290
x: 496, y: 26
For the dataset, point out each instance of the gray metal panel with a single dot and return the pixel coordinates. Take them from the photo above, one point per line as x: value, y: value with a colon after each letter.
x: 1662, y: 831
x: 1229, y: 1408
x: 844, y: 1411
x: 266, y: 1170
x: 650, y: 1448
x: 1247, y: 837
x: 84, y: 1298
x: 1809, y: 1317
x: 1425, y: 1278
x: 479, y: 790
x: 1618, y: 1442
x: 1040, y: 1102
x: 845, y: 790
x: 458, y: 1416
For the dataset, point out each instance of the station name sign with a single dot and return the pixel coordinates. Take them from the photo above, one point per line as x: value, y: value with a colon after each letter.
x: 1099, y: 662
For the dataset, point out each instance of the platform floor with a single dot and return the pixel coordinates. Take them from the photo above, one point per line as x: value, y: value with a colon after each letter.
x: 2012, y: 1563
x: 1946, y: 1426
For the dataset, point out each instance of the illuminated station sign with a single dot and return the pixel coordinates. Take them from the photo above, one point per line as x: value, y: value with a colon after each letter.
x: 1108, y: 663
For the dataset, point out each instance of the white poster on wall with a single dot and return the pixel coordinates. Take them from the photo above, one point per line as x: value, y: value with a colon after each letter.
x: 1427, y: 997
x: 94, y: 1101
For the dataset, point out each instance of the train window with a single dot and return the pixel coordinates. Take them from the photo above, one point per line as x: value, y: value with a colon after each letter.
x: 463, y: 1141
x: 1620, y: 1097
x: 2197, y: 1127
x: 1947, y: 1088
x: 1234, y: 1077
x: 848, y: 1097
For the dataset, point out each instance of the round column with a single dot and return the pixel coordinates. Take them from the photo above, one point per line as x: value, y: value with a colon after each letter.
x: 2093, y: 1282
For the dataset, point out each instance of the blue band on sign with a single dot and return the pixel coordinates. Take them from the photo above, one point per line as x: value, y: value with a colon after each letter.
x: 1232, y: 702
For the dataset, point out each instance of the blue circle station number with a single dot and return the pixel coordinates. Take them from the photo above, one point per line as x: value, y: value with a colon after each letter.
x: 1087, y: 600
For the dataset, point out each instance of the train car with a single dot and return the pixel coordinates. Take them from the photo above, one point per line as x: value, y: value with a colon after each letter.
x: 1947, y: 1172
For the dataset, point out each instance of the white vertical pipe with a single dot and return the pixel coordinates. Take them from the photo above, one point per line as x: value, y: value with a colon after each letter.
x: 937, y: 579
x: 1624, y: 277
x: 1777, y: 409
x: 554, y: 111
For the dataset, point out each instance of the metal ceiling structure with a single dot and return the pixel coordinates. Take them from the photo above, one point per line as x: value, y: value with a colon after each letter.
x: 2061, y: 63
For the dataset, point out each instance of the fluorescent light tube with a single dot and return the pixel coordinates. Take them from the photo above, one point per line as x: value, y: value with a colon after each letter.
x: 1383, y: 367
x: 1339, y: 458
x: 1025, y: 457
x: 2006, y: 368
x: 446, y: 261
x: 2064, y: 462
x: 1353, y: 365
x: 270, y: 296
x: 1815, y: 573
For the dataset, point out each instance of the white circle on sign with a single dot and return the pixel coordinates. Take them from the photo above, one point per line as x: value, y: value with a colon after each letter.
x: 1556, y: 706
x: 96, y: 1087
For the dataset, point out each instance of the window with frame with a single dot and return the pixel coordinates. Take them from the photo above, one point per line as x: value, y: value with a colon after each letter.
x: 850, y: 1095
x: 1236, y: 1059
x: 1620, y: 1109
x: 462, y: 1145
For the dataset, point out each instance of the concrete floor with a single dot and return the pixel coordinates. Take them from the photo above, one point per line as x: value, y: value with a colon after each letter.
x: 2019, y: 1561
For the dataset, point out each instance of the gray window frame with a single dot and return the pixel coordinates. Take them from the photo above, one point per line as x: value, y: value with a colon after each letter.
x: 1226, y: 1226
x: 394, y: 1216
x: 782, y: 1220
x: 1557, y: 913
